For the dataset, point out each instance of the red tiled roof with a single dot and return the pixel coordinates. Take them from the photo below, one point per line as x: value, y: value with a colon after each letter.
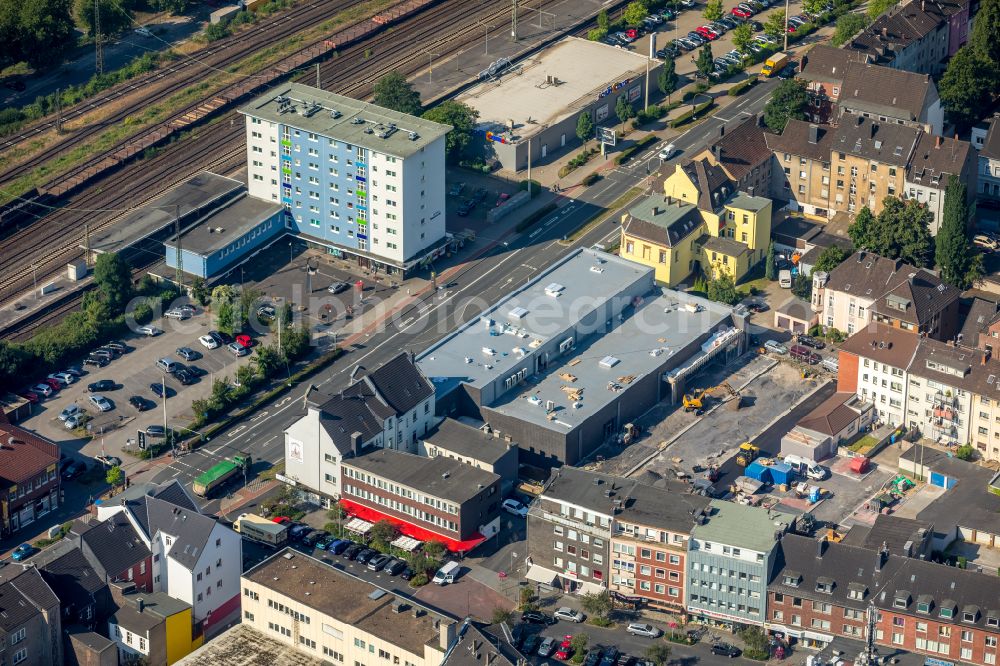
x: 23, y: 454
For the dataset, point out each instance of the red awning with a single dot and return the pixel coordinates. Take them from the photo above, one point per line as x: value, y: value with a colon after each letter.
x: 410, y: 530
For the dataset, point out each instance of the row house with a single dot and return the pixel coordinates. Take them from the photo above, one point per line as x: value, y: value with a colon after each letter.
x: 867, y: 287
x: 869, y: 158
x: 732, y: 553
x: 824, y: 590
x: 31, y: 621
x: 439, y: 498
x: 918, y: 36
x: 934, y: 162
x: 742, y: 153
x: 842, y: 81
x: 947, y: 392
x: 29, y: 472
x: 391, y: 407
x: 589, y: 532
x: 801, y: 175
x: 988, y: 177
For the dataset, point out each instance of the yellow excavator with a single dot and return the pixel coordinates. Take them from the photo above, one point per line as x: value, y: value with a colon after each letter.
x: 695, y: 401
x: 746, y: 454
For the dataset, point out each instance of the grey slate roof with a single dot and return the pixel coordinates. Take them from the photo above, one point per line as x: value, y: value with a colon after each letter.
x: 936, y: 158
x: 464, y: 440
x: 441, y: 477
x: 886, y: 91
x: 190, y: 529
x: 661, y: 220
x: 827, y: 63
x: 112, y: 545
x: 894, y: 532
x: 924, y: 294
x: 16, y: 607
x: 392, y: 389
x: 795, y: 141
x: 977, y: 320
x: 66, y: 570
x: 481, y: 645
x: 991, y: 147
x: 886, y: 143
x: 897, y: 30
x: 742, y: 149
x: 868, y: 275
x: 710, y: 181
x: 726, y: 246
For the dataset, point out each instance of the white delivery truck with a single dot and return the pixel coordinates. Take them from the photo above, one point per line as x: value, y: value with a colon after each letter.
x: 785, y: 279
x: 447, y: 574
x: 256, y: 528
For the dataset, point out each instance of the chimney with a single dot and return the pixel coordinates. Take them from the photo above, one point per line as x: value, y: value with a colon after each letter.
x: 885, y: 33
x: 820, y: 548
x: 802, y: 63
x: 937, y: 142
x: 717, y: 151
x: 656, y: 210
x: 140, y: 604
x: 878, y: 561
x: 722, y: 130
x: 356, y: 443
x: 861, y: 120
x: 670, y: 200
x: 813, y: 133
x: 446, y: 633
x: 923, y: 5
x: 986, y: 356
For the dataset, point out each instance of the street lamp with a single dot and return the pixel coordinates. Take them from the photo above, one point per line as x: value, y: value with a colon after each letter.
x: 166, y: 433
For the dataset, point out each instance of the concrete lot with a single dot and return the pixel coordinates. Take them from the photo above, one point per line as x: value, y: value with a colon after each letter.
x: 134, y: 372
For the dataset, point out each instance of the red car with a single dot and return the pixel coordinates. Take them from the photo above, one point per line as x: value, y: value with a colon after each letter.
x: 281, y: 520
x: 54, y: 383
x: 632, y: 33
x: 742, y: 13
x: 707, y: 33
x: 30, y: 396
x: 244, y: 340
x: 565, y: 650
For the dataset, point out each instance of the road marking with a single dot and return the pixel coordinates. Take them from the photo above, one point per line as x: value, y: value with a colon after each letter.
x: 236, y: 430
x: 262, y: 415
x: 284, y: 401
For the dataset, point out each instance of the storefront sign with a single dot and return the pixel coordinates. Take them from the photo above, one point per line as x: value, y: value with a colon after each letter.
x: 613, y: 88
x: 633, y: 93
x: 601, y: 113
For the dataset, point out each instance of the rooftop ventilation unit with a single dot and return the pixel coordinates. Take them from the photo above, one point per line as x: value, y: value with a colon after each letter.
x: 554, y: 289
x: 357, y: 121
x: 335, y: 114
x: 608, y: 362
x: 518, y: 313
x: 413, y: 136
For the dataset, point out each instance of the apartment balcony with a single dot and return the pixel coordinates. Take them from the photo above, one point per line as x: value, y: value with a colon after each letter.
x: 944, y: 401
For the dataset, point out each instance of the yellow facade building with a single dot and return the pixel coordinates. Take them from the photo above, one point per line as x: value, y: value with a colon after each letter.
x: 699, y: 225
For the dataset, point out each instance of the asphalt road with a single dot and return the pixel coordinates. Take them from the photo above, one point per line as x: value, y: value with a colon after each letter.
x: 480, y: 281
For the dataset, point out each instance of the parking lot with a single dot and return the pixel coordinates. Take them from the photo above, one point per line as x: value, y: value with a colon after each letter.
x: 690, y: 19
x: 133, y: 373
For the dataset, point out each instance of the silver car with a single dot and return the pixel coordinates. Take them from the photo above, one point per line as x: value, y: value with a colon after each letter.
x: 101, y: 402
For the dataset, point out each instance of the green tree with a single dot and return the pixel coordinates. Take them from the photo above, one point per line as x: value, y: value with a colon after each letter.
x: 44, y: 31
x: 113, y: 278
x: 705, y: 62
x: 813, y: 6
x: 774, y: 26
x: 713, y: 10
x: 115, y: 17
x: 771, y: 264
x: 14, y: 362
x: 755, y: 640
x: 596, y: 34
x: 967, y: 86
x: 960, y: 264
x: 965, y: 452
x: 830, y: 258
x: 666, y: 81
x: 295, y: 341
x: 802, y: 286
x: 222, y: 305
x: 878, y: 7
x: 462, y: 119
x: 789, y: 100
x: 527, y: 597
x: 266, y: 360
x: 393, y: 91
x: 899, y: 231
x: 603, y: 22
x: 200, y: 291
x: 635, y: 12
x: 172, y: 6
x: 623, y: 110
x: 985, y: 35
x: 579, y: 644
x: 501, y: 615
x: 658, y: 653
x: 743, y: 37
x: 597, y: 604
x: 848, y: 25
x: 336, y: 515
x: 114, y: 476
x: 723, y: 290
x: 585, y: 127
x: 383, y: 533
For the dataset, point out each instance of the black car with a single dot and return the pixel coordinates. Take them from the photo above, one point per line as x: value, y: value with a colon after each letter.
x: 407, y: 573
x: 365, y: 555
x: 625, y: 660
x: 298, y: 531
x: 96, y: 361
x: 378, y: 562
x: 809, y: 341
x: 121, y: 347
x: 531, y: 643
x: 140, y: 403
x: 221, y: 338
x: 195, y: 371
x: 726, y: 650
x: 102, y: 385
x: 537, y: 617
x: 114, y: 351
x: 758, y: 307
x: 610, y: 657
x: 394, y: 567
x: 593, y: 657
x: 756, y: 26
x: 352, y: 552
x: 480, y: 194
x: 467, y: 207
x: 160, y: 390
x: 312, y: 538
x: 74, y: 469
x: 184, y: 376
x: 156, y: 431
x: 75, y: 371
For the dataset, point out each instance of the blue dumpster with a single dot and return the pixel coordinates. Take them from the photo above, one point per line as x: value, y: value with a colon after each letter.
x: 759, y: 472
x: 781, y: 473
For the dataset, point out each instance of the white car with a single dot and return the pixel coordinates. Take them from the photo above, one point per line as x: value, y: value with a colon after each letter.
x: 144, y: 31
x: 177, y: 313
x: 514, y: 507
x: 101, y: 402
x: 75, y: 421
x: 208, y: 342
x: 42, y: 389
x: 149, y: 331
x: 71, y: 410
x: 775, y: 347
x: 63, y: 378
x: 640, y: 629
x: 567, y: 614
x: 982, y: 240
x: 667, y: 152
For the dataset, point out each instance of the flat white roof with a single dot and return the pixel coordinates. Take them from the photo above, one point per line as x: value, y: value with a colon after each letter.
x: 580, y: 71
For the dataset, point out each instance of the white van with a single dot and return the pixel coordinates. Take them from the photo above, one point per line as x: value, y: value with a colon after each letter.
x: 785, y: 279
x: 831, y: 363
x: 447, y: 574
x: 668, y: 152
x: 806, y: 467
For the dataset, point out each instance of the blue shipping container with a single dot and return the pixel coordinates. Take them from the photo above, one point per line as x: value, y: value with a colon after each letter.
x: 782, y: 473
x: 759, y: 472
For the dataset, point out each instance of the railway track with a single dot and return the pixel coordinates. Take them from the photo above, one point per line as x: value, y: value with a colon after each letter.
x: 447, y: 29
x: 166, y: 81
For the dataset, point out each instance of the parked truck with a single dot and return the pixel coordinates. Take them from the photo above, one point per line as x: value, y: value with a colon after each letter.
x: 217, y: 476
x: 774, y: 64
x: 256, y: 528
